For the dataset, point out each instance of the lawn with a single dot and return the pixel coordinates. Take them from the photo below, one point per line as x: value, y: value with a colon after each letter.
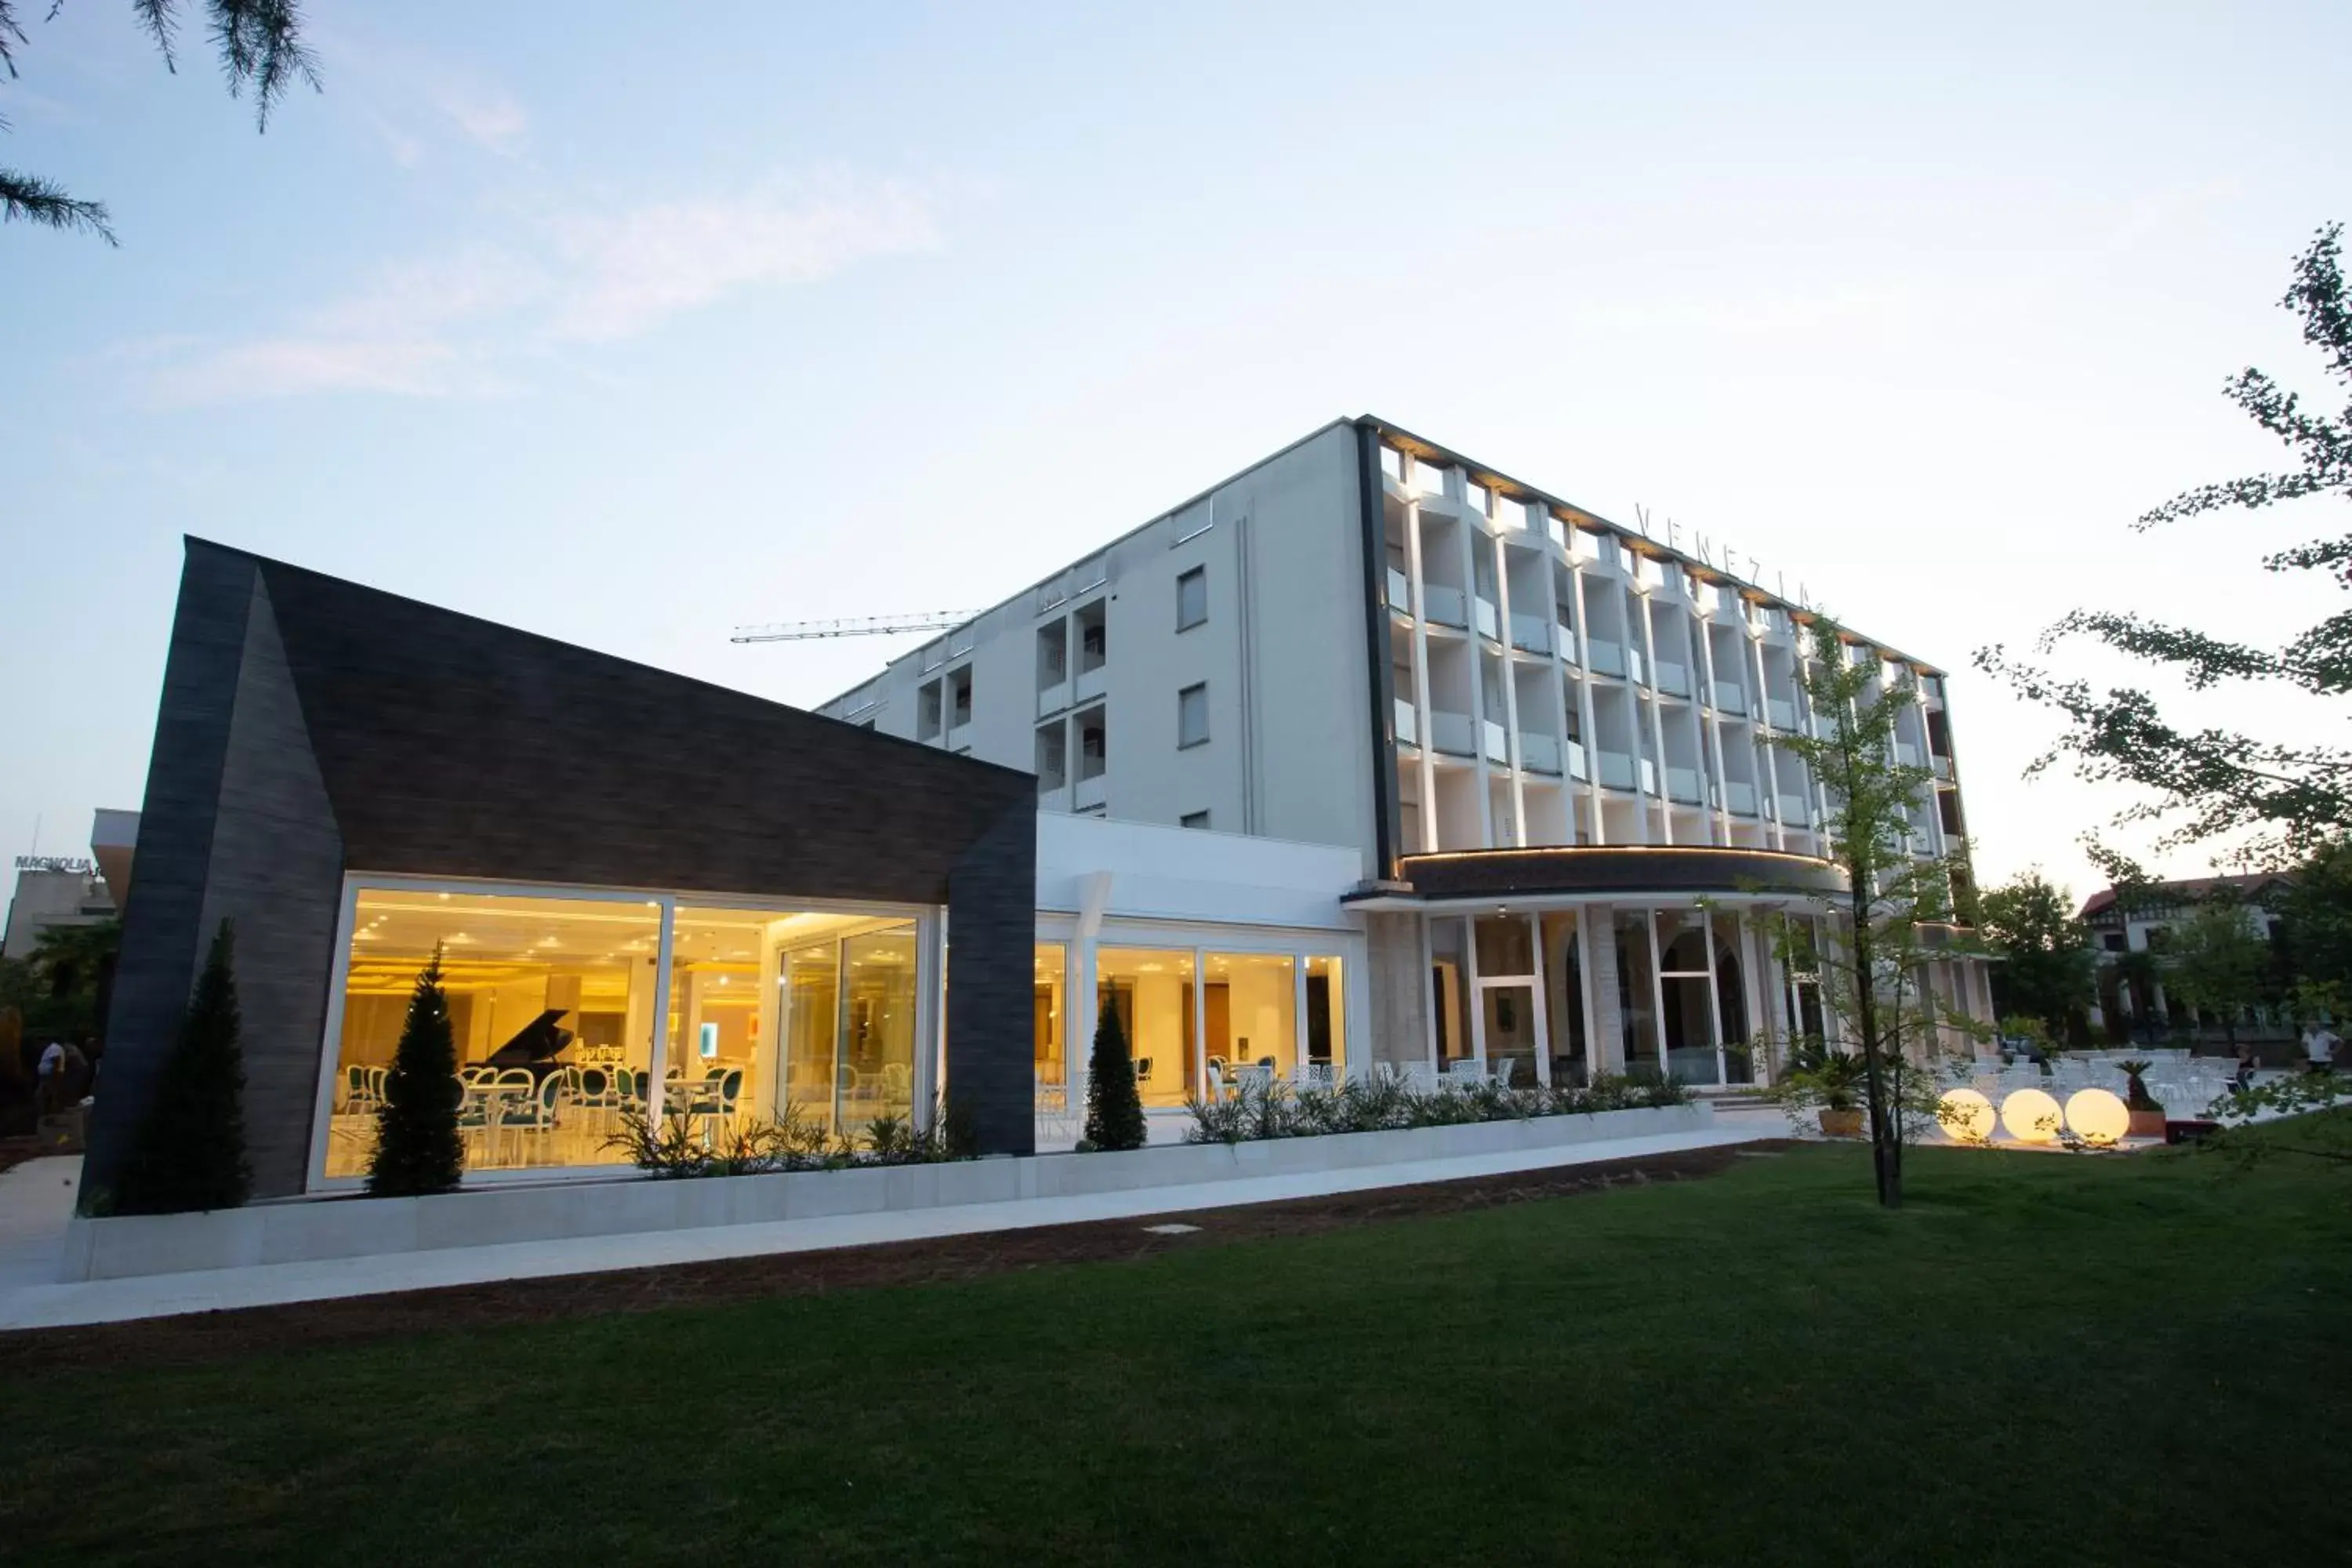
x: 2041, y: 1359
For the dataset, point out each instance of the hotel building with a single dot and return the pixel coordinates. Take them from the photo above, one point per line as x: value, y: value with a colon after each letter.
x: 1550, y: 743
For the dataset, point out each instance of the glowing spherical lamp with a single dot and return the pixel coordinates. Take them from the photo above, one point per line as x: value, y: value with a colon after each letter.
x: 1966, y: 1115
x: 2032, y: 1116
x: 2099, y: 1115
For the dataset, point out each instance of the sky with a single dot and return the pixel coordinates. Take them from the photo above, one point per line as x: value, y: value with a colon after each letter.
x: 630, y: 333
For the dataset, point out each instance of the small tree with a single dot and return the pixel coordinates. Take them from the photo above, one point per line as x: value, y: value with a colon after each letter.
x: 1114, y: 1109
x: 189, y: 1151
x: 1896, y: 896
x: 2215, y: 962
x: 2045, y: 971
x: 418, y: 1149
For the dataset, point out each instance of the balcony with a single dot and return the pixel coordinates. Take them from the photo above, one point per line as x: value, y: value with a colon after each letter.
x: 1400, y: 592
x: 1608, y: 657
x: 1087, y: 794
x: 1090, y: 684
x: 1781, y: 712
x: 1539, y: 753
x: 1616, y: 770
x: 1796, y: 810
x: 1730, y: 698
x: 1446, y: 606
x: 1673, y: 679
x: 1451, y: 733
x: 1053, y: 699
x: 1564, y: 636
x: 1943, y: 767
x: 1531, y: 633
x: 1486, y: 621
x: 1682, y: 786
x: 1576, y: 767
x: 1907, y: 756
x: 958, y: 737
x: 1055, y: 799
x: 1499, y: 744
x: 1740, y: 798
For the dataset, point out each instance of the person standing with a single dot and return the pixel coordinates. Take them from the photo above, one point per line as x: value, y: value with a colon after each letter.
x: 49, y: 1083
x: 2319, y: 1043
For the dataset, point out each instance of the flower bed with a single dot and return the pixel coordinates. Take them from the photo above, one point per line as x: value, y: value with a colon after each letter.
x: 1385, y: 1104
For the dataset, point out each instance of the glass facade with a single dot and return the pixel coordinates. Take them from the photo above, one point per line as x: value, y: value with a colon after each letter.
x: 1247, y: 999
x: 1151, y: 991
x: 565, y: 1017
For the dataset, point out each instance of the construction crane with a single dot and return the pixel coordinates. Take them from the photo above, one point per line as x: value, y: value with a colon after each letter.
x: 854, y: 626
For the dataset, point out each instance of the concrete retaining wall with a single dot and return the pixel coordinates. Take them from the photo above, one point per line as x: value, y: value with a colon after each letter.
x: 357, y: 1227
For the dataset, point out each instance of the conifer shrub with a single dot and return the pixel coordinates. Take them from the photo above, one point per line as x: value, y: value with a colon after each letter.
x: 188, y: 1153
x: 1114, y: 1109
x: 418, y: 1149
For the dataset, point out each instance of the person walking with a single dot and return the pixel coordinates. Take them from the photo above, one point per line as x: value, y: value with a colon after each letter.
x: 2319, y: 1043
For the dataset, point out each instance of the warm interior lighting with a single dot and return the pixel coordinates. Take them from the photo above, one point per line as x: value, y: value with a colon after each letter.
x: 1967, y: 1115
x: 2032, y: 1116
x: 2099, y: 1115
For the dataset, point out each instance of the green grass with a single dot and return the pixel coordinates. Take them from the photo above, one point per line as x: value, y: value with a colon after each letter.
x: 2041, y: 1359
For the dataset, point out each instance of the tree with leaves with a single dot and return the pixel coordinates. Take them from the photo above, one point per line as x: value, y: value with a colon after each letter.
x: 2284, y: 798
x: 1114, y: 1109
x: 2215, y: 961
x: 2046, y: 958
x: 418, y: 1149
x: 189, y: 1150
x: 1897, y: 914
x: 261, y: 48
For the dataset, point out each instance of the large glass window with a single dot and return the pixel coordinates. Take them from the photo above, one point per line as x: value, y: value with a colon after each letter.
x: 1636, y: 1001
x: 1686, y: 995
x: 1246, y: 1004
x: 552, y: 999
x: 1326, y: 1019
x: 1731, y: 1000
x: 1564, y: 992
x: 1449, y: 989
x: 550, y: 1004
x: 1151, y: 991
x: 1049, y: 1016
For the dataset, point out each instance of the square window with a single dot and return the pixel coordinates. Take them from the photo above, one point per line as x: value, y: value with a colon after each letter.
x: 1192, y: 716
x: 1194, y: 819
x: 1191, y: 598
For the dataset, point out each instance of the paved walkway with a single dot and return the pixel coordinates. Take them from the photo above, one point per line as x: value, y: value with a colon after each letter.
x: 33, y: 1216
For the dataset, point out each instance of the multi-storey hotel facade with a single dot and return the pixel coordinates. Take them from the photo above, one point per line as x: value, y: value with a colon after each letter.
x: 1552, y: 745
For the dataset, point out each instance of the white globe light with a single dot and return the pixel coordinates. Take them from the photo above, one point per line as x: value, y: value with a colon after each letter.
x: 2031, y: 1117
x: 2099, y: 1115
x: 1966, y: 1115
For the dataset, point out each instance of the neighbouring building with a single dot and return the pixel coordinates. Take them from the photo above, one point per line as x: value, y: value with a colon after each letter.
x: 2131, y: 996
x: 54, y: 891
x: 1548, y: 743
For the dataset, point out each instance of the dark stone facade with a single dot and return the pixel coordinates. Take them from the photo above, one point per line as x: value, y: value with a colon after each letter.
x: 310, y: 726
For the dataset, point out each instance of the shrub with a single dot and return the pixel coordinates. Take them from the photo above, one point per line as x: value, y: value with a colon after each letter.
x: 189, y: 1150
x: 1383, y: 1103
x: 1114, y: 1109
x: 681, y: 1145
x: 418, y: 1149
x: 2135, y: 1094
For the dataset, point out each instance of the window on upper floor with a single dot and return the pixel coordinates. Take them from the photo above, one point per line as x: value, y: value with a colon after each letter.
x: 959, y: 696
x: 1193, y: 716
x: 1191, y: 598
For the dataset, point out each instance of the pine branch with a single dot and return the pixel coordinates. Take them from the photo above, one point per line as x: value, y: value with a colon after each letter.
x: 31, y: 199
x: 260, y: 44
x: 156, y: 17
x: 11, y: 33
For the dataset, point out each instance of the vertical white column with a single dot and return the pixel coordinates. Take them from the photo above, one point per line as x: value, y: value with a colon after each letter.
x: 1591, y: 741
x: 1511, y: 691
x: 1469, y: 558
x: 1720, y: 817
x: 1473, y: 999
x: 1640, y: 603
x: 1539, y: 1026
x: 1767, y: 755
x: 1426, y: 763
x: 659, y: 1056
x: 1559, y: 672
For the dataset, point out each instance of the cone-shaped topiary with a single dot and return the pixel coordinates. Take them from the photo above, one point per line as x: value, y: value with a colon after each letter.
x: 190, y: 1148
x: 1114, y: 1110
x: 418, y: 1150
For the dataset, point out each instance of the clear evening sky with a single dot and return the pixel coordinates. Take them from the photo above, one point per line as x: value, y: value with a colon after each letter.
x: 629, y: 324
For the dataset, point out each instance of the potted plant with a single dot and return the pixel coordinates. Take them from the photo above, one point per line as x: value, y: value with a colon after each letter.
x: 2147, y: 1111
x: 1830, y: 1084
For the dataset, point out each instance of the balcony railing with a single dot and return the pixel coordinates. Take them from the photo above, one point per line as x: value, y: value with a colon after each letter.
x: 1400, y: 591
x: 1053, y: 699
x: 1091, y: 683
x: 1730, y: 697
x: 1781, y: 712
x: 1576, y: 768
x: 1907, y: 756
x: 1539, y: 753
x: 959, y: 736
x: 1682, y: 784
x: 1408, y: 732
x: 1532, y: 633
x: 1673, y: 678
x: 1487, y: 622
x: 1943, y: 767
x: 1452, y: 734
x: 1445, y: 606
x: 1092, y: 791
x: 1616, y: 770
x: 1498, y: 744
x: 1608, y: 657
x: 1738, y: 797
x: 1796, y: 810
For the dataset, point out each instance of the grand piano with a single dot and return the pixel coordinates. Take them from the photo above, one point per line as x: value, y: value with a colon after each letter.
x: 535, y: 1047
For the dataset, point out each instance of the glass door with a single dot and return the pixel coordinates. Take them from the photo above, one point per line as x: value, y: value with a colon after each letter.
x: 1508, y: 1011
